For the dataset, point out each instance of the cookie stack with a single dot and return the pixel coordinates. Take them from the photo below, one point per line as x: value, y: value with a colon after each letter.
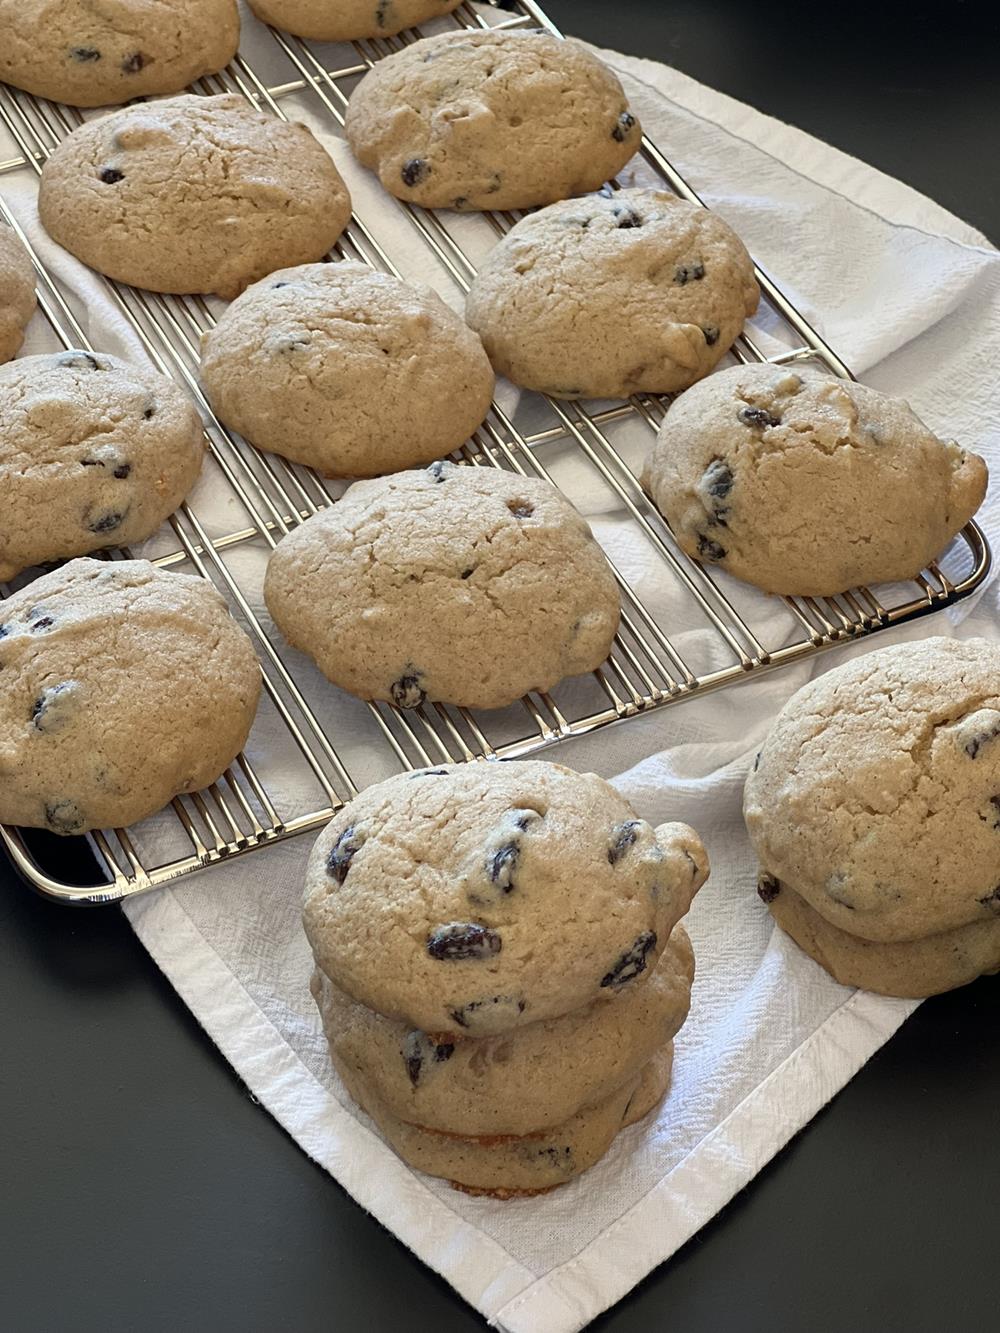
x: 499, y: 967
x: 874, y: 808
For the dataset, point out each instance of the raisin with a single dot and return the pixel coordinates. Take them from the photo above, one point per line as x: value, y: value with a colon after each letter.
x: 623, y: 125
x: 122, y: 471
x: 47, y: 713
x: 718, y: 479
x: 756, y: 760
x: 768, y: 888
x: 4, y: 631
x: 711, y: 333
x: 46, y: 622
x: 437, y: 471
x: 521, y: 508
x: 976, y: 743
x: 64, y: 817
x: 381, y: 12
x: 992, y: 900
x: 430, y: 773
x: 415, y: 171
x: 343, y: 852
x: 689, y: 273
x: 111, y: 175
x: 106, y: 522
x: 468, y: 1015
x: 407, y: 692
x: 418, y: 1048
x: 92, y: 462
x: 994, y: 800
x: 134, y: 63
x: 631, y: 963
x: 709, y: 549
x: 276, y: 285
x: 460, y: 201
x: 501, y: 864
x: 84, y: 54
x: 461, y: 940
x: 467, y: 573
x: 622, y: 838
x: 77, y: 361
x: 757, y: 417
x: 626, y: 218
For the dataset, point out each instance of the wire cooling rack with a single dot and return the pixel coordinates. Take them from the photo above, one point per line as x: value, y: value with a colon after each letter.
x: 329, y: 753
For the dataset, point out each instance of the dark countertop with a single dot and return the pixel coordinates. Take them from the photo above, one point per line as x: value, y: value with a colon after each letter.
x: 143, y: 1189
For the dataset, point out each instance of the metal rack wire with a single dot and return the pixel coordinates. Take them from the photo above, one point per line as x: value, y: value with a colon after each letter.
x: 647, y: 668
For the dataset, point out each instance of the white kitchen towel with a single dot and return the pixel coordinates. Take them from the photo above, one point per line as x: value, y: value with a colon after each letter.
x: 910, y: 297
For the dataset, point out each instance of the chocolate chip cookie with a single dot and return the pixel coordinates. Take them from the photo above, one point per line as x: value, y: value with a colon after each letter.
x: 611, y: 295
x: 92, y: 52
x: 192, y: 194
x: 93, y: 453
x: 482, y: 899
x: 516, y: 1082
x: 804, y: 484
x: 497, y: 120
x: 346, y: 20
x: 346, y: 369
x: 120, y: 686
x: 468, y: 585
x: 17, y: 293
x: 874, y: 808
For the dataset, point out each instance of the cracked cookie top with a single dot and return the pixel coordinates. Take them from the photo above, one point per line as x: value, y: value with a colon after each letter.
x: 93, y: 453
x: 474, y: 120
x: 120, y: 686
x: 611, y: 295
x: 93, y: 52
x: 476, y: 899
x: 346, y: 369
x: 805, y: 484
x: 468, y: 585
x: 876, y: 796
x: 192, y: 194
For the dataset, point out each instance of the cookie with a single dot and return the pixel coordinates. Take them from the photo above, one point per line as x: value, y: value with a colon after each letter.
x: 481, y: 899
x: 513, y: 1083
x: 92, y: 52
x: 347, y: 20
x: 912, y: 969
x: 464, y: 584
x: 192, y: 194
x: 93, y: 453
x: 876, y: 796
x: 348, y: 370
x: 120, y: 686
x: 17, y: 293
x: 611, y: 295
x: 507, y: 1166
x: 494, y: 120
x: 804, y: 484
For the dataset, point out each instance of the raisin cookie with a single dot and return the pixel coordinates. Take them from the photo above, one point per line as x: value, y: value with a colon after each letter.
x: 348, y: 370
x: 120, y: 686
x: 804, y: 484
x: 347, y: 20
x: 462, y: 584
x: 506, y: 1166
x: 512, y: 1083
x: 17, y: 293
x: 491, y: 120
x: 192, y: 194
x: 93, y: 453
x: 92, y: 52
x: 615, y: 294
x: 482, y: 899
x: 876, y: 800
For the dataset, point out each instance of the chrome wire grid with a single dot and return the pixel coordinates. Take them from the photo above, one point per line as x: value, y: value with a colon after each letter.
x: 646, y: 670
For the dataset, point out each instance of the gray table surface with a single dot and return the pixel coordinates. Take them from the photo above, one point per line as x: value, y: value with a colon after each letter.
x: 141, y: 1188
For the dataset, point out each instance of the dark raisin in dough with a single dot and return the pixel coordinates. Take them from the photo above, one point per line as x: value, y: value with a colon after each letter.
x: 414, y: 171
x: 689, y: 273
x: 407, y: 692
x: 78, y: 361
x: 622, y: 126
x: 343, y: 853
x: 622, y: 838
x: 768, y: 888
x: 709, y: 549
x: 134, y: 63
x: 64, y: 817
x: 718, y: 479
x: 111, y: 175
x: 711, y: 333
x: 757, y: 417
x: 84, y: 54
x: 631, y: 963
x: 419, y: 1050
x: 106, y: 522
x: 468, y: 1014
x: 461, y: 940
